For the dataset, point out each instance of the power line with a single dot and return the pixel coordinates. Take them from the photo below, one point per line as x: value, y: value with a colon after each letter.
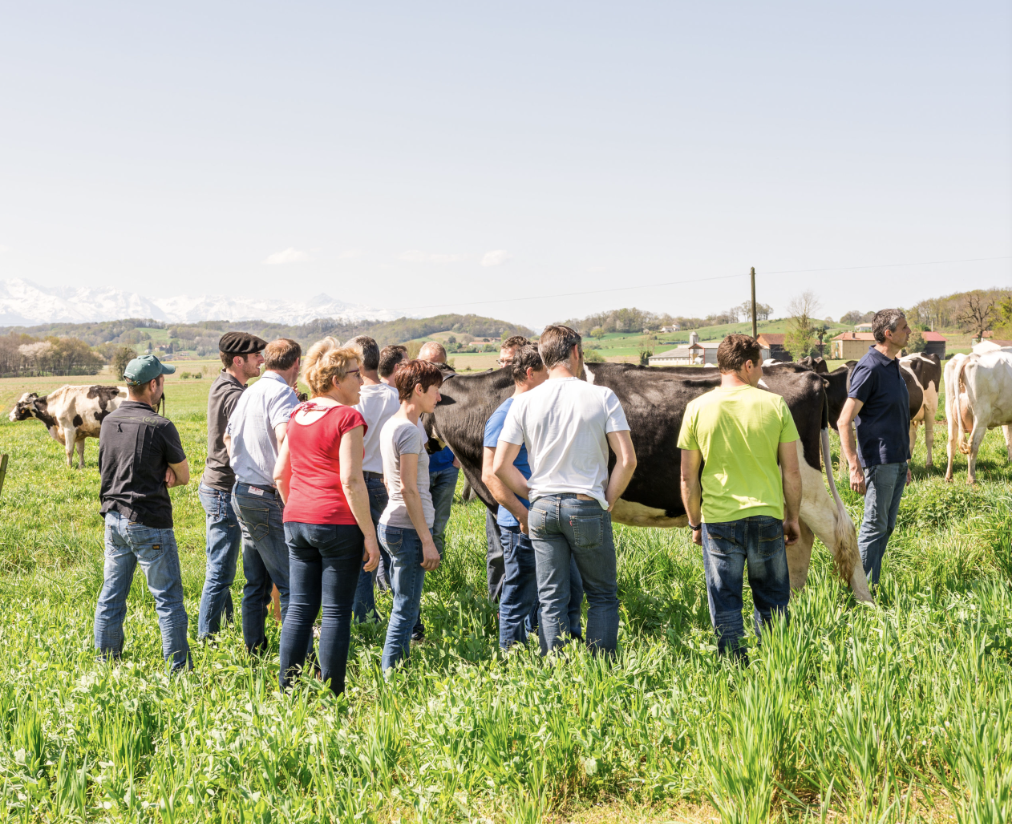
x: 700, y: 280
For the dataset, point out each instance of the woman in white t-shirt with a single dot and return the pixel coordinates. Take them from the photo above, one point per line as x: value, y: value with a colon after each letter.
x: 405, y: 526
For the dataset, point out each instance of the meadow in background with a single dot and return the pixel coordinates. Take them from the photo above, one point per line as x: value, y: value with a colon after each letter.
x: 892, y: 714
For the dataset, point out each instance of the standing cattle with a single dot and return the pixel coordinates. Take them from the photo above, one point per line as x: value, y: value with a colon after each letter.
x: 654, y: 400
x: 923, y: 376
x: 978, y: 397
x: 71, y: 413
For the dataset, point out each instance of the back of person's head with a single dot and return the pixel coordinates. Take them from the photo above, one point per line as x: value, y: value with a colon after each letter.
x: 414, y: 373
x: 514, y: 342
x: 734, y: 350
x: 556, y: 342
x: 390, y: 358
x: 326, y: 360
x: 281, y: 354
x: 369, y: 351
x: 433, y: 352
x: 885, y: 320
x: 525, y: 357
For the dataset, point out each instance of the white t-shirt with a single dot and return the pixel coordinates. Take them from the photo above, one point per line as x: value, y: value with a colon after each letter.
x: 564, y: 424
x: 377, y: 404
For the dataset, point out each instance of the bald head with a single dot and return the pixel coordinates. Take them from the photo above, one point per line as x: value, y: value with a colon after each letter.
x: 433, y: 352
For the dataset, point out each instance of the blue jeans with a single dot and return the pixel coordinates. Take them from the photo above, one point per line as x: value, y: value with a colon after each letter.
x: 494, y: 563
x: 224, y: 540
x: 519, y: 607
x: 323, y: 564
x: 264, y: 560
x: 759, y: 540
x: 564, y: 529
x: 365, y: 595
x: 442, y: 484
x: 126, y: 545
x: 406, y: 579
x: 884, y: 484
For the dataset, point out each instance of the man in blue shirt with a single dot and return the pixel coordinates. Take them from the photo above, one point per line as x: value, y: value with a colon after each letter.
x: 879, y: 404
x: 518, y: 604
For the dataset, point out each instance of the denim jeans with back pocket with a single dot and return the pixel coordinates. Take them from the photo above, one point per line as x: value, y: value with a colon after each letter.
x: 884, y: 484
x: 406, y: 580
x: 224, y: 541
x: 757, y: 541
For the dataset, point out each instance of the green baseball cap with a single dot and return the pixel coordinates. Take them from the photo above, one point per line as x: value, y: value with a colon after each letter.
x: 145, y: 368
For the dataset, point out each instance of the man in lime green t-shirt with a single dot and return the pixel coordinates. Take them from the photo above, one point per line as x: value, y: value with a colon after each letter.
x: 747, y: 506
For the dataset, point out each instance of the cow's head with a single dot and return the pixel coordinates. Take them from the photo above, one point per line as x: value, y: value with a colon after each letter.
x: 25, y: 407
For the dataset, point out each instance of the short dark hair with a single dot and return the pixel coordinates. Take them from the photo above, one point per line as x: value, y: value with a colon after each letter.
x: 416, y: 372
x: 556, y: 342
x: 369, y: 350
x: 390, y: 357
x: 525, y: 357
x: 514, y: 342
x: 281, y: 354
x: 227, y: 358
x: 734, y: 350
x: 885, y: 319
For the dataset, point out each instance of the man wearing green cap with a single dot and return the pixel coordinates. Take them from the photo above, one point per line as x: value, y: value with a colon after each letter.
x: 140, y: 457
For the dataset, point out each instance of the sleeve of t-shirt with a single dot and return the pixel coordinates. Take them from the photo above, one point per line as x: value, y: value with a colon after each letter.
x: 493, y: 428
x: 512, y: 428
x: 351, y: 419
x: 173, y: 446
x: 862, y: 383
x: 281, y: 407
x: 788, y: 429
x: 687, y: 434
x: 615, y: 412
x: 229, y: 403
x: 407, y: 440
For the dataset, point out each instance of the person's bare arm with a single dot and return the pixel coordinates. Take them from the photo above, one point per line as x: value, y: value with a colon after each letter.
x: 281, y: 432
x: 283, y: 472
x: 692, y: 492
x: 228, y: 445
x: 848, y: 443
x: 356, y: 493
x: 505, y: 471
x: 413, y: 503
x: 500, y: 491
x: 625, y: 465
x: 788, y: 455
x: 178, y: 474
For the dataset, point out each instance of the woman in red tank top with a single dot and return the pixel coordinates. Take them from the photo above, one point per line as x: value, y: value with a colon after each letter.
x: 328, y: 526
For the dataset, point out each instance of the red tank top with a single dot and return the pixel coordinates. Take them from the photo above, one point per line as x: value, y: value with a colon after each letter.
x: 315, y: 494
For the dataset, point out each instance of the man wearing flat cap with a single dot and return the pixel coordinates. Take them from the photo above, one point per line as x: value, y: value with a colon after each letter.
x: 139, y: 458
x: 240, y: 355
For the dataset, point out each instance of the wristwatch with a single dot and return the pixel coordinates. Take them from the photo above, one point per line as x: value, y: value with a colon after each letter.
x: 695, y: 528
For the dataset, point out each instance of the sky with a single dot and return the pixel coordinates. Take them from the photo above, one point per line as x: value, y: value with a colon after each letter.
x: 528, y: 161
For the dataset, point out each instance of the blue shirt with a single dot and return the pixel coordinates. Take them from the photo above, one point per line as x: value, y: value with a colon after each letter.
x: 883, y: 427
x: 492, y: 430
x: 441, y: 460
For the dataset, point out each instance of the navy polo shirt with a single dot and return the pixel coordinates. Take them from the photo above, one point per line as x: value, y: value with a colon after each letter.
x: 883, y: 427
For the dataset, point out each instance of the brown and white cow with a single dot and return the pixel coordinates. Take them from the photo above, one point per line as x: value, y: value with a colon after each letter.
x: 71, y: 413
x: 978, y: 390
x: 923, y: 376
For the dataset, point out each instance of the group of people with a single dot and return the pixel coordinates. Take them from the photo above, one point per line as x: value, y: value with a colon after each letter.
x: 329, y: 497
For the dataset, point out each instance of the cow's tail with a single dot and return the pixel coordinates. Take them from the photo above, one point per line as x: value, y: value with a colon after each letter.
x: 961, y: 387
x: 846, y: 555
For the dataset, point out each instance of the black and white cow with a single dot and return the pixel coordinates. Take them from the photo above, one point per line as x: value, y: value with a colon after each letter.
x: 71, y: 413
x: 654, y: 400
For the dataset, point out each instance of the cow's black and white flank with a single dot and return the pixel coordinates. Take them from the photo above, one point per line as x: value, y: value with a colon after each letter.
x: 71, y: 413
x: 654, y: 400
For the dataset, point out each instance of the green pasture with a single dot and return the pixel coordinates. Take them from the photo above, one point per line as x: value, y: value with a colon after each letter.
x: 897, y: 713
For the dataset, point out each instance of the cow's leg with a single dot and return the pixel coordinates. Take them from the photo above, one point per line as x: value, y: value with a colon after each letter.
x: 1007, y: 429
x: 913, y: 437
x: 929, y: 437
x: 799, y: 556
x: 69, y: 442
x: 952, y: 410
x: 976, y: 439
x: 80, y: 453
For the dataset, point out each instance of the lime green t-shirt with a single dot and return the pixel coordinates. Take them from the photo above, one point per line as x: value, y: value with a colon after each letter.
x: 738, y: 430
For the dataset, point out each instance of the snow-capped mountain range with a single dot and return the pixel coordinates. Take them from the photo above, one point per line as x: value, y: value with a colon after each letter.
x: 27, y: 304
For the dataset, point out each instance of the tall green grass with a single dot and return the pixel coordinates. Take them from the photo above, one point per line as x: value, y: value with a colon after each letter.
x: 902, y: 712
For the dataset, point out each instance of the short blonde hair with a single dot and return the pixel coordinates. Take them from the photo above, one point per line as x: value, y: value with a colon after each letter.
x: 327, y: 360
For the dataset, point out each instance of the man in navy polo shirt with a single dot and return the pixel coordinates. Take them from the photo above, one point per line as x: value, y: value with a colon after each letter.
x: 879, y: 404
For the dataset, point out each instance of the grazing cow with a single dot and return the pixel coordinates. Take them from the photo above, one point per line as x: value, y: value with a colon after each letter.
x: 978, y: 392
x: 71, y: 413
x: 654, y: 400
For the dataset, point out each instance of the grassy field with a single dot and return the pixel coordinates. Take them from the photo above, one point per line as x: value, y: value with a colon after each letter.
x: 896, y: 713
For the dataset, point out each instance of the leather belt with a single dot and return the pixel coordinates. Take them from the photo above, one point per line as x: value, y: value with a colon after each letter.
x: 373, y: 476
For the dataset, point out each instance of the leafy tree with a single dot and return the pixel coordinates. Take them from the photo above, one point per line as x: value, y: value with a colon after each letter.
x: 916, y: 342
x: 977, y: 313
x: 645, y: 357
x: 852, y: 318
x: 802, y: 333
x: 592, y: 356
x: 120, y: 359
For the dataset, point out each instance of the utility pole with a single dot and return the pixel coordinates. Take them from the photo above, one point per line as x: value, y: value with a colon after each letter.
x: 755, y: 330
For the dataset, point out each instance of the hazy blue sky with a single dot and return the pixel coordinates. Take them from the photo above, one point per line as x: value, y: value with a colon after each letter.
x: 384, y: 150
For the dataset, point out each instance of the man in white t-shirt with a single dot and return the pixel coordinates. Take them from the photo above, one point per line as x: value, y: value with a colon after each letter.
x: 568, y: 426
x: 377, y: 403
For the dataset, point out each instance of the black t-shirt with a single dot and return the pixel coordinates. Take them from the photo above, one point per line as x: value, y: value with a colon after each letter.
x: 221, y: 400
x: 135, y: 448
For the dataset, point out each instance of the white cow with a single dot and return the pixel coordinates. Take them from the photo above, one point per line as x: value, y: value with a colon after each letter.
x: 978, y: 398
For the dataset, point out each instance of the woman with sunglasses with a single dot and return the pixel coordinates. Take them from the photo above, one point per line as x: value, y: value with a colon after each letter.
x: 328, y: 526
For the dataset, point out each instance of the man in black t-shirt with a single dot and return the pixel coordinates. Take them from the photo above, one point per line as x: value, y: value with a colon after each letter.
x: 140, y: 457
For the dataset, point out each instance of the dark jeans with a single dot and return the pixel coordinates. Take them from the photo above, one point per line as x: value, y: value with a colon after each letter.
x: 519, y: 606
x: 759, y: 541
x: 324, y: 561
x: 884, y: 489
x: 224, y: 540
x: 128, y: 544
x: 494, y: 564
x: 365, y: 595
x: 442, y: 483
x: 406, y: 580
x: 565, y: 529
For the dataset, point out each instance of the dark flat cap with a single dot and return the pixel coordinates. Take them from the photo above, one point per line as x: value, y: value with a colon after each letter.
x: 240, y: 343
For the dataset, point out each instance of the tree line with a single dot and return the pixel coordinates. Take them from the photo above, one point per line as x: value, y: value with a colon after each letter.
x: 26, y: 355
